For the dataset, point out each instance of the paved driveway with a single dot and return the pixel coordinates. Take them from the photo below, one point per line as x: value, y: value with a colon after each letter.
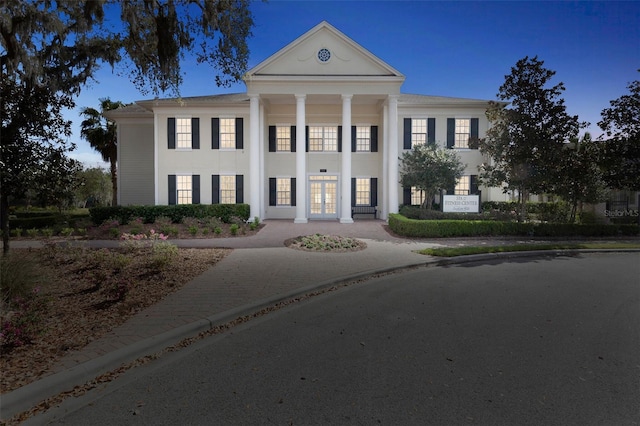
x: 539, y: 341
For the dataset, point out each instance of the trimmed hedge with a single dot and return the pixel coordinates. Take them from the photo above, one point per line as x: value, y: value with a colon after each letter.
x: 469, y: 228
x: 48, y: 220
x: 177, y: 213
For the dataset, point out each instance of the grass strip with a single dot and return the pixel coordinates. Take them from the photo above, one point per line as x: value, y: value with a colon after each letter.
x: 463, y: 251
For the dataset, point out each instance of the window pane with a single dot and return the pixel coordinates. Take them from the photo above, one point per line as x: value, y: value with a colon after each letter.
x: 323, y: 138
x: 183, y: 187
x: 463, y: 186
x: 363, y: 192
x: 283, y: 191
x: 418, y: 131
x: 463, y: 132
x: 417, y: 196
x: 183, y: 133
x: 283, y: 138
x: 315, y: 139
x: 331, y: 139
x: 228, y: 133
x: 228, y: 189
x: 363, y: 139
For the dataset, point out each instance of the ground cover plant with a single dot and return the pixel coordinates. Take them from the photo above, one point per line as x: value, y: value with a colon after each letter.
x: 58, y: 299
x: 325, y: 243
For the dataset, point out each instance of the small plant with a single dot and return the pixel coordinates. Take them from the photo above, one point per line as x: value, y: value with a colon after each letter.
x: 191, y: 221
x: 162, y: 221
x: 214, y: 222
x: 205, y: 231
x: 234, y: 229
x: 47, y: 232
x: 114, y: 232
x: 32, y: 233
x: 193, y: 230
x: 81, y: 231
x: 162, y: 254
x: 118, y: 290
x: 217, y: 230
x: 24, y: 321
x: 66, y: 232
x: 16, y: 232
x: 169, y: 230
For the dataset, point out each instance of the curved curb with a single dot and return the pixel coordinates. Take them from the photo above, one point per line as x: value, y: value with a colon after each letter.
x: 28, y: 396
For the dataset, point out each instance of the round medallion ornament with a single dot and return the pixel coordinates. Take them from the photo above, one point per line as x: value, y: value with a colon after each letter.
x: 324, y: 55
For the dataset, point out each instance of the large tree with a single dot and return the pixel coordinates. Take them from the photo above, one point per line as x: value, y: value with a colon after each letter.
x: 49, y: 49
x: 529, y: 128
x: 620, y: 151
x: 101, y: 133
x: 430, y: 169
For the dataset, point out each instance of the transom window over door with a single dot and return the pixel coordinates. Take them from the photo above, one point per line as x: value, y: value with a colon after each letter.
x: 323, y: 138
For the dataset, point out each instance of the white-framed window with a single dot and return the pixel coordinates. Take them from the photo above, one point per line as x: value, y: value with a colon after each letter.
x: 462, y: 133
x: 283, y: 138
x: 363, y: 138
x: 183, y: 133
x: 417, y: 196
x: 227, y: 189
x: 463, y: 186
x: 184, y: 189
x: 283, y: 191
x: 363, y: 191
x: 227, y: 133
x: 418, y: 131
x: 323, y: 138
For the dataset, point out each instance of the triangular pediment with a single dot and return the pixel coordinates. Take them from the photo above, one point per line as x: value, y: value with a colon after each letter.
x: 323, y: 51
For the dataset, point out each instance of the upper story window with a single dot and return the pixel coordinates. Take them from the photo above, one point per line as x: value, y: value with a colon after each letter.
x: 418, y: 131
x: 227, y: 133
x: 323, y: 139
x: 183, y: 133
x: 363, y: 138
x: 283, y: 138
x: 463, y: 133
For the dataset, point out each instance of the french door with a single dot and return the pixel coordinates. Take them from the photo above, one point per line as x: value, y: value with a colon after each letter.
x: 323, y: 197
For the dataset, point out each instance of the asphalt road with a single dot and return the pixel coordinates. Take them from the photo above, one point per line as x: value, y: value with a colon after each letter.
x: 537, y: 341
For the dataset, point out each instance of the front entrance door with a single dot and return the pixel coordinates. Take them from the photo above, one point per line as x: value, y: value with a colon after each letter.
x: 323, y: 197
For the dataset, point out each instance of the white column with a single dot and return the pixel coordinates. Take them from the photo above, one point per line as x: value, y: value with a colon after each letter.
x: 393, y: 180
x: 254, y: 156
x: 262, y: 176
x: 301, y: 166
x: 345, y: 216
x: 384, y: 186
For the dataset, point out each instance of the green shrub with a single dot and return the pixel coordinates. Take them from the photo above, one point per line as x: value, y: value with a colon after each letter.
x: 169, y: 230
x: 176, y: 212
x: 217, y: 230
x: 66, y: 232
x: 162, y: 254
x: 32, y: 233
x: 114, y: 232
x: 234, y: 228
x: 193, y: 230
x: 18, y: 276
x: 16, y: 232
x: 47, y: 232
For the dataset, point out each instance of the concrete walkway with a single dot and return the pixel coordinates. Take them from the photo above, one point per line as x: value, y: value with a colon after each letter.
x: 260, y: 273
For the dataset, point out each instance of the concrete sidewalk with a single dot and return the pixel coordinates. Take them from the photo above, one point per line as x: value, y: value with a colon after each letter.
x: 259, y: 274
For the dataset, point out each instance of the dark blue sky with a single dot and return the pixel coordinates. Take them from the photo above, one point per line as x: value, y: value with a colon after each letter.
x: 459, y: 49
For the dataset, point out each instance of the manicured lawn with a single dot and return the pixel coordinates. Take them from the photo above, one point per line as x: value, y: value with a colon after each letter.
x: 462, y: 251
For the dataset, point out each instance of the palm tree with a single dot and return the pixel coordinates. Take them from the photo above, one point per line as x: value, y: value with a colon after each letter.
x: 102, y: 136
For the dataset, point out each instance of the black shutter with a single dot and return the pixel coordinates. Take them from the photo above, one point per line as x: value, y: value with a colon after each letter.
x: 195, y: 133
x: 374, y: 138
x: 475, y: 134
x: 353, y: 192
x: 239, y: 189
x: 354, y: 142
x: 272, y: 138
x: 195, y: 189
x: 406, y: 196
x: 374, y: 191
x: 293, y: 191
x: 306, y: 138
x: 215, y: 189
x: 215, y: 133
x: 272, y: 192
x: 293, y: 138
x: 171, y: 133
x: 407, y: 133
x: 173, y: 195
x: 339, y: 138
x: 474, y: 184
x: 451, y: 132
x: 239, y: 133
x: 431, y: 130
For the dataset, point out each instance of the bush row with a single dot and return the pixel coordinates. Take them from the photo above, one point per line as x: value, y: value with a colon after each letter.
x: 177, y: 213
x: 49, y: 221
x: 468, y: 228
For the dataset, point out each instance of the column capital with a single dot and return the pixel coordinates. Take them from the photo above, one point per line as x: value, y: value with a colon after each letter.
x: 300, y: 97
x: 392, y: 98
x: 346, y: 97
x: 254, y: 96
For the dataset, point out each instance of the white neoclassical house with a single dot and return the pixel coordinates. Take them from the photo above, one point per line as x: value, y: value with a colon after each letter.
x: 319, y: 131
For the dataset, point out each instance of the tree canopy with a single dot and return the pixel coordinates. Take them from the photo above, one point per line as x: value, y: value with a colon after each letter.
x: 430, y: 169
x: 529, y: 129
